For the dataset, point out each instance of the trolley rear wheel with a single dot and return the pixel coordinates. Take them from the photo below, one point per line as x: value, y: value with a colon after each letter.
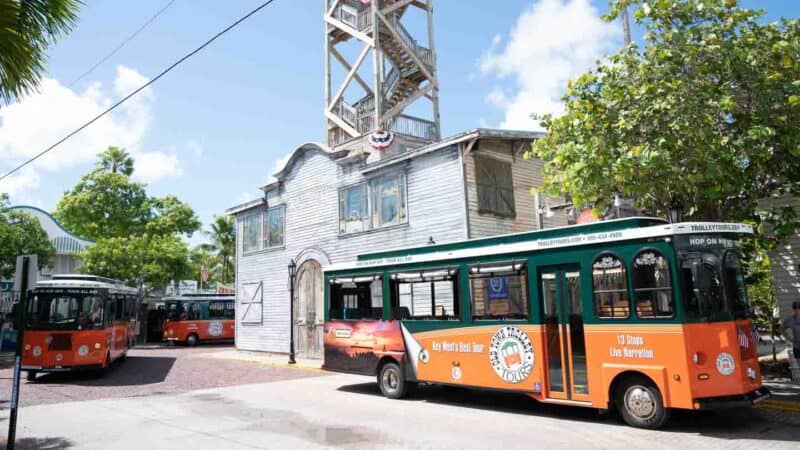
x: 639, y: 402
x: 392, y: 381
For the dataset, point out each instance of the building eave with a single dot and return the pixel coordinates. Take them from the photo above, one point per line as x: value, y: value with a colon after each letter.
x: 234, y: 210
x: 477, y: 133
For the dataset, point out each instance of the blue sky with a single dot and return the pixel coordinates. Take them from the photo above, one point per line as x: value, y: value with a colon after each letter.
x: 212, y: 130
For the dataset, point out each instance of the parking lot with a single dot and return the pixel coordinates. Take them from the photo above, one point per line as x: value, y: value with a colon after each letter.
x: 148, y: 371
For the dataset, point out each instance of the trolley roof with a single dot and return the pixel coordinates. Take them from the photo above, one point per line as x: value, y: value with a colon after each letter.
x: 73, y: 281
x: 552, y: 238
x: 198, y: 297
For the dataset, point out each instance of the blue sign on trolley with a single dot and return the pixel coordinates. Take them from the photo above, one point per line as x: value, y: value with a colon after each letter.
x: 497, y: 287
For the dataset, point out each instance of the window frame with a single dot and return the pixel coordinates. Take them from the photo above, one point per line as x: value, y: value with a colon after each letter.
x: 670, y: 288
x: 371, y: 219
x: 627, y: 290
x: 259, y: 234
x: 340, y: 280
x: 266, y: 225
x: 365, y: 218
x: 492, y: 185
x: 454, y: 275
x: 524, y: 289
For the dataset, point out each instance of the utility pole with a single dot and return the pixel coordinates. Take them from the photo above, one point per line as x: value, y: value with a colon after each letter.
x: 20, y: 325
x: 626, y: 26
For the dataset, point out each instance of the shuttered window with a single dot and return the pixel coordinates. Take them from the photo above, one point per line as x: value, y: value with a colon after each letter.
x: 495, y: 187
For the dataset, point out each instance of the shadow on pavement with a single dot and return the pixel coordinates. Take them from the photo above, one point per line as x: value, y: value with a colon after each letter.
x: 40, y: 443
x: 744, y: 423
x: 134, y: 370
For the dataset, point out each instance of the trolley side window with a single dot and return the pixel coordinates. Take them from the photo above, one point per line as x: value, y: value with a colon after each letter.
x: 610, y: 287
x: 499, y: 291
x: 430, y: 294
x: 221, y: 310
x: 353, y: 298
x: 652, y: 287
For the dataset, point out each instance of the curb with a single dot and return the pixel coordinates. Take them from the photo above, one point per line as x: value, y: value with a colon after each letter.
x: 277, y: 364
x: 780, y: 405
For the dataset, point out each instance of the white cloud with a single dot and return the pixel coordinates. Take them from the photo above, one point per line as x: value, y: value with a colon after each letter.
x: 552, y: 42
x: 40, y: 119
x: 153, y: 166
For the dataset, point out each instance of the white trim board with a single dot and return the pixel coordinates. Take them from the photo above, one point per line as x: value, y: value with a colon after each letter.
x: 655, y: 231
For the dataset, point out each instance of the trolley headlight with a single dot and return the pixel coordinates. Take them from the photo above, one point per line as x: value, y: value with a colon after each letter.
x: 27, y: 346
x: 751, y: 373
x: 83, y: 350
x: 699, y: 358
x: 97, y: 346
x: 171, y: 332
x: 37, y: 351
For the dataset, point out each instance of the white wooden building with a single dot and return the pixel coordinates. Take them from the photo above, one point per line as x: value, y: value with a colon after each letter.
x: 384, y: 179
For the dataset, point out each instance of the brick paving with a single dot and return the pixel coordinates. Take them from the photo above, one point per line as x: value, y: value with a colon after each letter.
x: 149, y: 371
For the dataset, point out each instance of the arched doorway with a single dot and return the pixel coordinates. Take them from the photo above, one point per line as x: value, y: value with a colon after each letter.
x: 308, y: 314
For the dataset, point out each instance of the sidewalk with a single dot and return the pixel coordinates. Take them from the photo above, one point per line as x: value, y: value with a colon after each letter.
x: 270, y: 359
x: 785, y: 395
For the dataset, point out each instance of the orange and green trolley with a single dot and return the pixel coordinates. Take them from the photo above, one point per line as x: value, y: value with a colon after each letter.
x: 637, y: 315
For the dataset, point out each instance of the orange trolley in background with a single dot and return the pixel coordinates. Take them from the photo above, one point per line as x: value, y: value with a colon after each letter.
x: 637, y: 315
x: 195, y: 318
x: 78, y: 322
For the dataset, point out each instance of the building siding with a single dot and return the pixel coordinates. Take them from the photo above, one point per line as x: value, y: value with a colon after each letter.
x: 526, y: 174
x: 435, y: 199
x: 785, y: 262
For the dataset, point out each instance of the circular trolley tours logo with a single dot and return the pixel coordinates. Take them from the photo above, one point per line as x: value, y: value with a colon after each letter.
x: 215, y: 328
x: 511, y: 354
x: 725, y: 363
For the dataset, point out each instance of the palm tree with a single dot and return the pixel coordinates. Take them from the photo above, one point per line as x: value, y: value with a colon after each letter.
x: 27, y: 27
x: 116, y: 160
x: 223, y: 241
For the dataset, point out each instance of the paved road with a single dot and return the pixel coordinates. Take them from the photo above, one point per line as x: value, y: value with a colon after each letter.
x: 150, y: 371
x: 347, y: 411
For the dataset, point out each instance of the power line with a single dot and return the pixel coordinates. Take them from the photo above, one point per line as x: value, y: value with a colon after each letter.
x: 125, y: 42
x: 139, y: 89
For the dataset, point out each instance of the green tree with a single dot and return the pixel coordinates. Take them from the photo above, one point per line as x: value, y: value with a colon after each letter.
x: 223, y: 245
x: 21, y: 233
x: 137, y: 237
x: 705, y: 113
x: 106, y: 203
x: 146, y: 261
x: 116, y: 159
x: 27, y: 27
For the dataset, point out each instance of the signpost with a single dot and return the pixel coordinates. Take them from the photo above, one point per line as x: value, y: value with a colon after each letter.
x: 25, y: 265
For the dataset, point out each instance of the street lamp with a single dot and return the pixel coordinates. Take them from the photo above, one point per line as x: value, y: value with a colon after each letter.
x: 675, y: 211
x: 292, y: 274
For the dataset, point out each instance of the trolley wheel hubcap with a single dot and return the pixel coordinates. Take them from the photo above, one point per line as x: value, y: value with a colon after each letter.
x: 390, y: 380
x: 640, y: 402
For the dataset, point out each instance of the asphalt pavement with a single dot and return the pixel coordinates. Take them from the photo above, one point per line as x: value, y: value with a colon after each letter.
x: 309, y: 409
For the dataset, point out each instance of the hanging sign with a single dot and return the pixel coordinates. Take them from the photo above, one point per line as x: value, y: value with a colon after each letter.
x: 380, y: 140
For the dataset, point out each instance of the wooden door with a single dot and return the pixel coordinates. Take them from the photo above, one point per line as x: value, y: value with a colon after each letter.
x: 308, y: 318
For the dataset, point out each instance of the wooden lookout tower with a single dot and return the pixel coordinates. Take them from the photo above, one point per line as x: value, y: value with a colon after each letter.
x: 402, y: 94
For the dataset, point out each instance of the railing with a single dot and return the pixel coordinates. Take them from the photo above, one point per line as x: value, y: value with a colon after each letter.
x: 345, y: 111
x: 365, y: 105
x: 360, y: 20
x: 413, y: 126
x: 424, y: 53
x: 364, y: 19
x: 390, y: 83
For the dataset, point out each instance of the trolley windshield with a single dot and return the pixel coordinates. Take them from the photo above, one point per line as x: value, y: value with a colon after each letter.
x: 712, y: 279
x: 65, y: 309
